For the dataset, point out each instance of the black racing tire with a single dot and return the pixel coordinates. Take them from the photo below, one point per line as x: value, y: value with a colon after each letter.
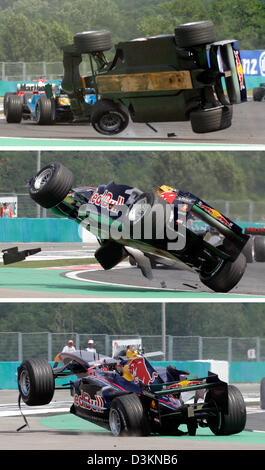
x: 51, y: 185
x: 127, y: 417
x: 234, y: 422
x: 109, y: 254
x: 36, y: 382
x: 148, y: 217
x: 93, y: 41
x: 6, y: 96
x: 109, y: 118
x: 259, y: 94
x: 195, y: 34
x: 14, y: 109
x: 249, y: 250
x: 211, y: 119
x: 262, y: 393
x: 226, y: 276
x: 259, y: 246
x: 44, y: 112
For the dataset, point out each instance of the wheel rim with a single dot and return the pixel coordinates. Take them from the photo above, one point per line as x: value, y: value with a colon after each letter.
x: 24, y: 383
x: 42, y: 178
x: 111, y: 122
x: 115, y: 422
x: 38, y: 113
x: 138, y: 210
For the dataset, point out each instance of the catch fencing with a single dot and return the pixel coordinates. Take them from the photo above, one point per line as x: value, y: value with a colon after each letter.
x: 24, y: 71
x: 16, y: 346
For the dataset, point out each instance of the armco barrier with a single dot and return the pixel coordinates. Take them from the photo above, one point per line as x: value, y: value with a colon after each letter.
x: 239, y: 372
x: 38, y: 230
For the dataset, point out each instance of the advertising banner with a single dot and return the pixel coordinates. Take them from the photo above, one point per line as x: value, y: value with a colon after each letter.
x: 253, y: 63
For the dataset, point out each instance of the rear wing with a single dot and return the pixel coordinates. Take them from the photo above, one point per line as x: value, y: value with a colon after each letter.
x: 167, y: 388
x: 225, y: 57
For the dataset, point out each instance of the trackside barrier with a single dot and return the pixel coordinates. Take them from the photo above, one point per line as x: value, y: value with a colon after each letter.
x: 38, y: 230
x: 11, y: 86
x: 239, y: 372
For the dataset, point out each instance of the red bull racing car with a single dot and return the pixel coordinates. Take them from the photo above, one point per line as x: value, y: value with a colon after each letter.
x: 128, y: 396
x: 130, y: 222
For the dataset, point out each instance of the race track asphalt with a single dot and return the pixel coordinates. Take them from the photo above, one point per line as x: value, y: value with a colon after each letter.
x: 52, y: 427
x: 247, y: 129
x: 126, y: 282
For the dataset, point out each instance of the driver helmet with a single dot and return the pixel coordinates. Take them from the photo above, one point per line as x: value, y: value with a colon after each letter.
x: 164, y: 188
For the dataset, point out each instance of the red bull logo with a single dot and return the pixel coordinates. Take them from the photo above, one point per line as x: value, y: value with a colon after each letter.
x: 86, y: 402
x: 106, y: 200
x: 140, y: 372
x: 239, y: 69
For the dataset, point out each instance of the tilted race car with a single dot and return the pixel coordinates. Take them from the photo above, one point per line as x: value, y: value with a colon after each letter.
x: 172, y: 77
x: 129, y: 396
x: 46, y: 105
x: 259, y: 93
x: 129, y: 222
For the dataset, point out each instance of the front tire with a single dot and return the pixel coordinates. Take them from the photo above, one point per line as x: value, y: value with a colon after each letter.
x: 93, y: 41
x: 195, y: 34
x: 44, y: 113
x: 51, y: 185
x: 227, y: 276
x: 126, y: 416
x: 36, y: 382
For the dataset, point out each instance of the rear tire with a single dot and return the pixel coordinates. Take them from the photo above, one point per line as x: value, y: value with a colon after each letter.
x: 211, y: 120
x: 235, y: 421
x: 195, y: 34
x: 262, y: 394
x: 259, y: 94
x: 51, y: 185
x: 227, y: 276
x: 93, y: 41
x: 148, y: 216
x: 259, y: 246
x: 14, y: 108
x: 36, y: 382
x: 109, y: 118
x: 249, y: 250
x: 126, y: 416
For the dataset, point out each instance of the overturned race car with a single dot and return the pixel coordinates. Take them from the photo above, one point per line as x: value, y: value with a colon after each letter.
x: 130, y: 222
x: 185, y: 76
x: 128, y: 396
